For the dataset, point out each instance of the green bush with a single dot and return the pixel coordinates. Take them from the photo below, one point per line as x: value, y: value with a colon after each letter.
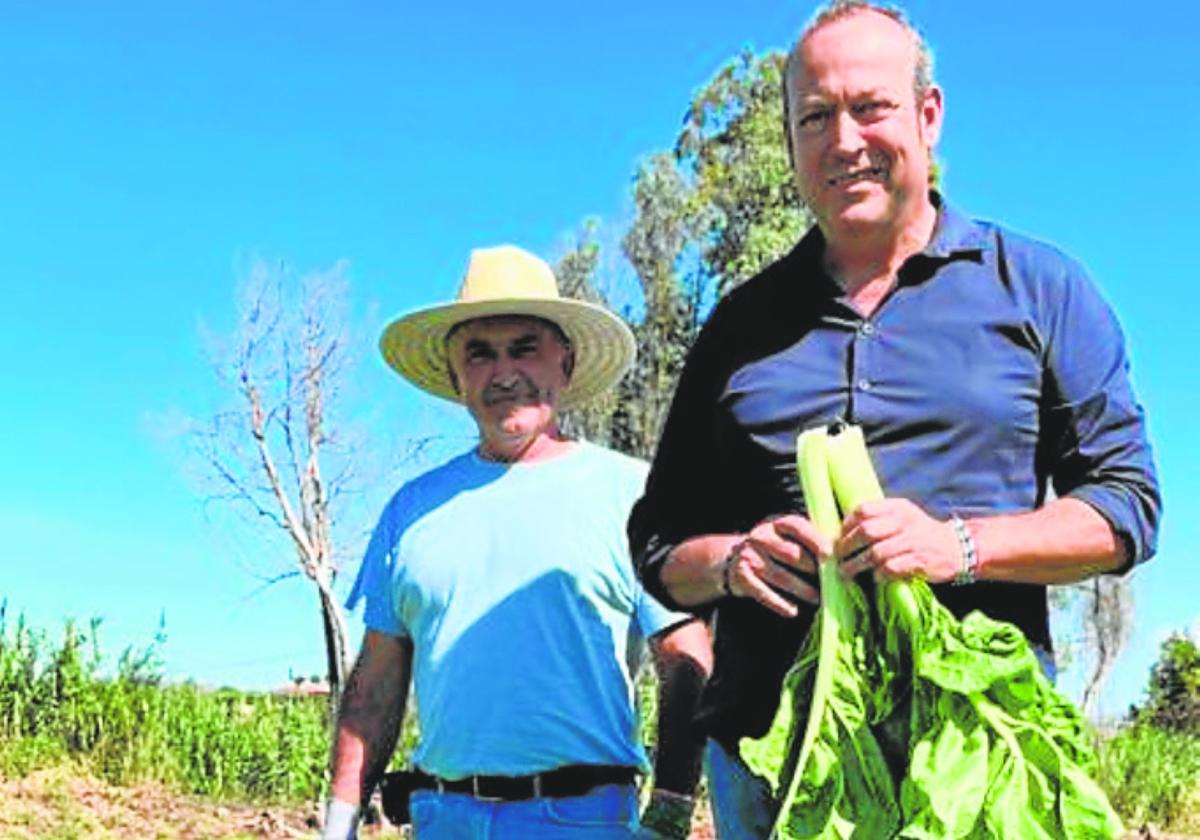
x: 1152, y: 775
x: 56, y: 704
x: 1151, y: 767
x: 20, y: 756
x: 1174, y: 690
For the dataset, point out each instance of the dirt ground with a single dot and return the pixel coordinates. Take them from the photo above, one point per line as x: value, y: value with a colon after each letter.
x: 60, y: 804
x: 63, y: 804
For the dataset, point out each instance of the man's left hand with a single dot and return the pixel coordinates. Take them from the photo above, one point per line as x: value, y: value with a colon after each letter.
x: 893, y: 538
x: 668, y: 816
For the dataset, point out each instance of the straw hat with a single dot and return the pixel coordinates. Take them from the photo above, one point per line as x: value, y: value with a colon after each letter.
x: 509, y: 281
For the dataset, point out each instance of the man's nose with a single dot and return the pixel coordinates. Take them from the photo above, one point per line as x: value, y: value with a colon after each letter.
x: 504, y: 371
x: 847, y: 133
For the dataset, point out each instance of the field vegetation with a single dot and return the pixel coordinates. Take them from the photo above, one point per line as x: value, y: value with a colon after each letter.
x: 75, y: 727
x: 127, y: 727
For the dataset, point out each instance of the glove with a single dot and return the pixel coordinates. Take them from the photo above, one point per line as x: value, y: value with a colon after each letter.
x: 668, y: 816
x: 341, y: 821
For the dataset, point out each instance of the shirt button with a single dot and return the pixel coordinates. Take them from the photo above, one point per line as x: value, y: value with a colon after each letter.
x: 866, y: 329
x: 864, y: 384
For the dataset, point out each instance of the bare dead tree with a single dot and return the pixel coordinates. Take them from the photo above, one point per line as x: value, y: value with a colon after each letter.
x: 273, y: 454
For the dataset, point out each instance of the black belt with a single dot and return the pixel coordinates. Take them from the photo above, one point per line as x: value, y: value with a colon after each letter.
x: 572, y: 780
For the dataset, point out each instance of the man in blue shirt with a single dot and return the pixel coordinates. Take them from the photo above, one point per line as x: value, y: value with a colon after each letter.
x: 988, y: 375
x: 500, y: 585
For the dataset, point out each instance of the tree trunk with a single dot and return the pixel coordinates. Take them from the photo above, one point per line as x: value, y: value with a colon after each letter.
x: 336, y: 652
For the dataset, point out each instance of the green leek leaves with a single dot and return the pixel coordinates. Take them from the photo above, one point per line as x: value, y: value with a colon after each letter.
x: 899, y: 721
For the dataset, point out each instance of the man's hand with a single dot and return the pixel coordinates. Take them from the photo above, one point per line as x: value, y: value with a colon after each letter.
x: 668, y: 816
x: 341, y: 821
x: 765, y: 565
x: 896, y: 539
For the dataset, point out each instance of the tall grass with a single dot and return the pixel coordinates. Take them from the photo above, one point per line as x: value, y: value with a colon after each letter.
x: 1152, y: 775
x: 56, y: 704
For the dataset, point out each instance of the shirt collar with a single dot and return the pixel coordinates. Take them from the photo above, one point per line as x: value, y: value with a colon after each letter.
x: 954, y: 235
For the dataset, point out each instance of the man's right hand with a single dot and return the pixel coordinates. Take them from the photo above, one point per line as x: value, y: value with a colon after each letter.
x: 341, y: 821
x: 767, y: 564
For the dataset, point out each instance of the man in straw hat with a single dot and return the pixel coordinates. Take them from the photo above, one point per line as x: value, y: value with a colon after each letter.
x: 501, y: 584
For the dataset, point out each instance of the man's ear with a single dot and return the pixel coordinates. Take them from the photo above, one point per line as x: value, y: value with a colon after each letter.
x: 932, y: 110
x: 568, y: 363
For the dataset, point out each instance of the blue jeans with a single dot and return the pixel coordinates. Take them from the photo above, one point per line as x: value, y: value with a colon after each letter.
x: 609, y: 812
x: 742, y: 806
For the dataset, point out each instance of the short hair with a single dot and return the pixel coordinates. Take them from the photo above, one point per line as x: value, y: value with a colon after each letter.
x: 553, y: 327
x: 839, y: 10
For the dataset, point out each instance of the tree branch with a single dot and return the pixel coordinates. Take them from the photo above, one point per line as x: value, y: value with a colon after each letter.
x: 293, y: 525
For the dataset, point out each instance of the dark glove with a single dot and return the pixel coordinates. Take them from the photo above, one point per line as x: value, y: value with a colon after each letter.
x: 668, y: 816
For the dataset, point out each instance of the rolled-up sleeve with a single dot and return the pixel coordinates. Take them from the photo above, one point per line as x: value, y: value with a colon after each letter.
x: 1094, y: 428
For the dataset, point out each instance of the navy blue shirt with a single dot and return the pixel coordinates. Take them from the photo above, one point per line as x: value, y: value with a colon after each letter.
x: 992, y: 375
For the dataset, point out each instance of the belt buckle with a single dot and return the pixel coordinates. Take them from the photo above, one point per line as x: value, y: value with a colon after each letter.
x: 479, y: 796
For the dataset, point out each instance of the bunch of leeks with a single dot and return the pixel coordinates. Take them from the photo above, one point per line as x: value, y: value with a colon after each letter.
x: 899, y: 720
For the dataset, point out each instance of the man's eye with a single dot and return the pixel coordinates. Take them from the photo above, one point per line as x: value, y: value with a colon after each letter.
x: 813, y: 121
x: 871, y: 110
x: 522, y: 351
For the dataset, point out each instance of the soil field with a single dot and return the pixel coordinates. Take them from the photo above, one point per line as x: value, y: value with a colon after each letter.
x: 61, y: 804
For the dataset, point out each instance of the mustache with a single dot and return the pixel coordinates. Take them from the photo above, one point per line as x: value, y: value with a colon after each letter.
x: 522, y: 389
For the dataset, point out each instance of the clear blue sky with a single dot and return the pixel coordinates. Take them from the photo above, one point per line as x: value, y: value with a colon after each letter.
x: 148, y: 150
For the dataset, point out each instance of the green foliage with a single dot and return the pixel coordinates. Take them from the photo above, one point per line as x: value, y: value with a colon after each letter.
x: 628, y: 418
x: 919, y: 725
x: 1151, y: 768
x: 1174, y: 690
x: 21, y: 756
x: 744, y: 208
x: 717, y: 210
x: 646, y: 702
x: 576, y: 273
x: 1153, y: 775
x: 56, y: 704
x: 654, y: 245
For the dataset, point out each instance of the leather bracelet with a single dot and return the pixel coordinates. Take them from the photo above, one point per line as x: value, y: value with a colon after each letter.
x: 966, y: 546
x: 730, y: 559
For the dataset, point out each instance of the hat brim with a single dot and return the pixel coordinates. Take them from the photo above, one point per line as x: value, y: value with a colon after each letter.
x: 414, y: 345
